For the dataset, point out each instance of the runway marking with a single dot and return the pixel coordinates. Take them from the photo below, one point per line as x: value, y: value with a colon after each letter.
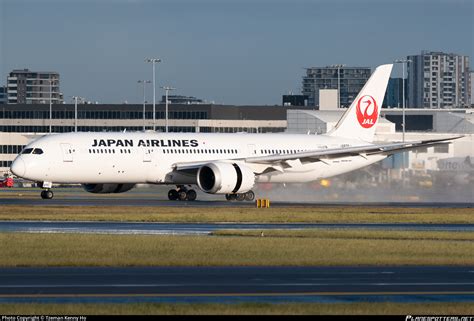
x: 63, y: 295
x: 368, y: 284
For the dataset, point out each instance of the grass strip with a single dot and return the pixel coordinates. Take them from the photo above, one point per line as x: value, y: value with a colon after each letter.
x: 313, y: 214
x: 328, y: 248
x: 241, y: 308
x: 350, y: 234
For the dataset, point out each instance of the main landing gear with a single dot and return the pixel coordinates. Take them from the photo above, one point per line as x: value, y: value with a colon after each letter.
x: 248, y: 196
x: 182, y: 194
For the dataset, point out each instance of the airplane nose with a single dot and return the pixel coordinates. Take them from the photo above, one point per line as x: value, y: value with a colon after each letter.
x: 18, y: 167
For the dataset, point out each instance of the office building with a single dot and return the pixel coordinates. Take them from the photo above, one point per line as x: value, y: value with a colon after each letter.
x: 3, y: 95
x: 33, y: 87
x: 350, y: 80
x: 294, y: 100
x: 438, y: 80
x: 472, y: 88
x: 394, y: 94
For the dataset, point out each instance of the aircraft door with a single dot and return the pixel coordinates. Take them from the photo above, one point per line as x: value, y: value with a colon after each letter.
x: 251, y: 149
x: 67, y: 152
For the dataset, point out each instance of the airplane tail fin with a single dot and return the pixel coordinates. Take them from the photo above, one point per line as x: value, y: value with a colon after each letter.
x: 361, y: 119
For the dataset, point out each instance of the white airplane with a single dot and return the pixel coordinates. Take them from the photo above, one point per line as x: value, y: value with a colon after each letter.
x: 229, y: 164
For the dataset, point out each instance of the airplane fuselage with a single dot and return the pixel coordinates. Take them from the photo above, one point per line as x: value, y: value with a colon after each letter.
x: 147, y: 157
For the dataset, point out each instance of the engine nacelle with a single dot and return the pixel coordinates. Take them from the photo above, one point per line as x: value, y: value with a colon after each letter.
x: 225, y: 178
x: 107, y: 188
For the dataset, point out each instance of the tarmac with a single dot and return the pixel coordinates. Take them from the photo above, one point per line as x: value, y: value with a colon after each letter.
x: 140, y: 201
x: 237, y: 284
x: 205, y: 228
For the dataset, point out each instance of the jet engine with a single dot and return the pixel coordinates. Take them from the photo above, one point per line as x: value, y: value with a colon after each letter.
x: 107, y: 188
x: 225, y: 178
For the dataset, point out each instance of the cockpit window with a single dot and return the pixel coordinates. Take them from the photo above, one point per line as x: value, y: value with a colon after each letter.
x: 38, y: 151
x: 27, y: 151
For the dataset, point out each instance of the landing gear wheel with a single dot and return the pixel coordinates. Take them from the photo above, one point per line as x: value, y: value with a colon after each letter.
x: 47, y: 194
x: 173, y: 195
x: 182, y: 195
x: 230, y: 197
x: 240, y: 197
x: 191, y: 195
x: 249, y: 196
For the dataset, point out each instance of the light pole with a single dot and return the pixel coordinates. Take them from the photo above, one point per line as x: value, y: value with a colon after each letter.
x: 339, y: 66
x: 167, y: 89
x: 144, y: 82
x: 50, y: 105
x: 403, y: 62
x: 75, y: 111
x: 153, y: 61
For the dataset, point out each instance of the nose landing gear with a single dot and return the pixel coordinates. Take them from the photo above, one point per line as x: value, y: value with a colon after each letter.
x: 47, y: 194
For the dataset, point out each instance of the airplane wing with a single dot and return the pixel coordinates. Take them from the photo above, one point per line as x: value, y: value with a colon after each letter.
x: 373, y: 149
x: 322, y: 155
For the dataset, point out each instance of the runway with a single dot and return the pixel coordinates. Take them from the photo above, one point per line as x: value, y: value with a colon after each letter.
x: 141, y: 201
x: 281, y: 196
x: 237, y: 284
x: 204, y: 228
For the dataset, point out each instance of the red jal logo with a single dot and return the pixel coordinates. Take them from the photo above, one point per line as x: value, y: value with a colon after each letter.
x: 367, y: 111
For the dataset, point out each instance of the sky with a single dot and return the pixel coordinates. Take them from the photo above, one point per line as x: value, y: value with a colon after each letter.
x: 224, y: 51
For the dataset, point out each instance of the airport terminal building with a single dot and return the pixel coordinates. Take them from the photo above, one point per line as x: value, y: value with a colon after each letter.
x: 21, y: 123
